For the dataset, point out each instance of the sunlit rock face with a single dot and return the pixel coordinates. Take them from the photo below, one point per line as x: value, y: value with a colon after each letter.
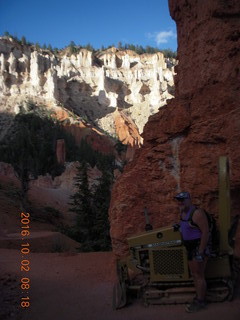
x: 183, y: 141
x: 95, y: 86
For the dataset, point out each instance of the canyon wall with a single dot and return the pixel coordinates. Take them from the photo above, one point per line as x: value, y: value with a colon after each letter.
x: 95, y: 86
x: 183, y: 141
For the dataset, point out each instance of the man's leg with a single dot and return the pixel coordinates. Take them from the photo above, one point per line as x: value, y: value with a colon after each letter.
x: 197, y: 270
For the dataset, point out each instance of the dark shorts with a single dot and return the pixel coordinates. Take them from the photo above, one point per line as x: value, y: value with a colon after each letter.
x: 192, y: 247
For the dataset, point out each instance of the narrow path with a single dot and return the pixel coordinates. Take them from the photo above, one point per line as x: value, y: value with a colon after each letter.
x: 79, y: 287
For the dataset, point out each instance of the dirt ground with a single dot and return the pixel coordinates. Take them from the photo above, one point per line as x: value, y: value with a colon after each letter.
x: 67, y: 286
x: 71, y: 286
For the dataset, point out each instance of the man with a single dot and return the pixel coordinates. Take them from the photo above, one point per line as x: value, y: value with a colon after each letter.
x: 195, y: 233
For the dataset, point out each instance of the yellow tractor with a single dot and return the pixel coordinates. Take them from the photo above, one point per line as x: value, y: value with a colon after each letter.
x: 157, y: 268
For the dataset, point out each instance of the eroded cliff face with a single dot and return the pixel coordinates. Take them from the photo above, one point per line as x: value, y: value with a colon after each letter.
x: 98, y: 87
x: 183, y: 141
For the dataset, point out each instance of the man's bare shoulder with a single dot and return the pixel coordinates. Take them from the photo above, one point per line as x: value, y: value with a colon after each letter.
x: 199, y: 211
x: 199, y: 214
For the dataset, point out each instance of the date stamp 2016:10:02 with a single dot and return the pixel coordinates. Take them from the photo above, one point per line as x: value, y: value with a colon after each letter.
x: 25, y: 262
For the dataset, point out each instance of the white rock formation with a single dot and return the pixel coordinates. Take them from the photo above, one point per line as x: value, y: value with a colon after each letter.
x: 91, y: 85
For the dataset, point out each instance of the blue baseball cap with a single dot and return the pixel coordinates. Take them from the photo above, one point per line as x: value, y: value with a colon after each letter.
x: 182, y: 195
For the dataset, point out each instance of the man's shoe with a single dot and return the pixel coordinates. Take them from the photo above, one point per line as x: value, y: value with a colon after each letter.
x: 195, y: 306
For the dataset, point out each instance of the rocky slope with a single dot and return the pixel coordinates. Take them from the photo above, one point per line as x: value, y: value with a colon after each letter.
x: 183, y: 141
x: 98, y: 87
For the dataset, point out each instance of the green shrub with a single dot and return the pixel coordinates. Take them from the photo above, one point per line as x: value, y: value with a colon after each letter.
x: 52, y: 212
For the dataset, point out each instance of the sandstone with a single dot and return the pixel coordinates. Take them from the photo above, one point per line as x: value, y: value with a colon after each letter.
x: 183, y: 141
x: 61, y: 183
x: 60, y: 151
x: 126, y: 130
x: 66, y: 180
x: 7, y: 170
x: 91, y: 85
x: 99, y: 141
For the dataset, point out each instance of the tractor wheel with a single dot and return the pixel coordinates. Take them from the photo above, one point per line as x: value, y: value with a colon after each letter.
x: 235, y: 275
x: 120, y: 288
x: 230, y: 285
x: 119, y: 299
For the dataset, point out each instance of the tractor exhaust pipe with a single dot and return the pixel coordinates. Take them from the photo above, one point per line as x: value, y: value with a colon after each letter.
x: 148, y: 226
x: 224, y: 204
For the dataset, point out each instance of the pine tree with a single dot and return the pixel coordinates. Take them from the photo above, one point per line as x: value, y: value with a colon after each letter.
x: 89, y: 47
x: 72, y: 47
x: 92, y: 224
x: 101, y: 201
x: 120, y: 45
x: 82, y: 205
x: 21, y: 153
x: 30, y: 147
x: 23, y: 40
x: 50, y: 47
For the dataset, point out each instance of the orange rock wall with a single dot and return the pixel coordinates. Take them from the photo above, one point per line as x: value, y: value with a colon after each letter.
x: 81, y: 130
x: 126, y: 130
x: 61, y: 151
x: 183, y: 141
x: 97, y: 140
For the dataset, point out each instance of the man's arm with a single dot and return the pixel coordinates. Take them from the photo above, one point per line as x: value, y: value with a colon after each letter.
x: 201, y: 220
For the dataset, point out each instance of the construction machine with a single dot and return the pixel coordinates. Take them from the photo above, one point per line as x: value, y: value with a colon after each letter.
x: 156, y: 268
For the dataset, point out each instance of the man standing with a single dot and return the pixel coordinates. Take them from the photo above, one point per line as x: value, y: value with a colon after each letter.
x: 195, y: 233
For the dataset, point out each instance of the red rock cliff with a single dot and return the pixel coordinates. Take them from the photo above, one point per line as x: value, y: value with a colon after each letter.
x: 61, y: 151
x: 183, y: 141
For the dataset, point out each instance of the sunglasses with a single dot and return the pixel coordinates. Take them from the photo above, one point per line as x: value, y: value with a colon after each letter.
x: 181, y: 200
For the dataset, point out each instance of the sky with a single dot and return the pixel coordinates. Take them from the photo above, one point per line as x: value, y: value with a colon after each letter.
x: 105, y: 22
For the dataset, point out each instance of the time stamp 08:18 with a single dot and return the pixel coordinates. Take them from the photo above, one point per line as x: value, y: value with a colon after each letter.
x: 25, y: 262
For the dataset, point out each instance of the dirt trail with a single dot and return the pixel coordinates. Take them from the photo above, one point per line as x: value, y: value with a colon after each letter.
x: 79, y: 287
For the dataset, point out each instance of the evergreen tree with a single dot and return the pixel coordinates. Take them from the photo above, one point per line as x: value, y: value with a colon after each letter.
x: 21, y: 153
x: 23, y: 40
x: 148, y: 49
x: 89, y: 47
x: 168, y: 53
x: 81, y: 204
x: 86, y: 153
x: 72, y: 47
x: 120, y: 45
x: 92, y: 224
x: 50, y: 47
x: 101, y: 201
x: 141, y: 50
x: 30, y: 147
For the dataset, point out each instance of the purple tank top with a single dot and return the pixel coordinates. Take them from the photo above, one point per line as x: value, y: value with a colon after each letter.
x: 188, y: 231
